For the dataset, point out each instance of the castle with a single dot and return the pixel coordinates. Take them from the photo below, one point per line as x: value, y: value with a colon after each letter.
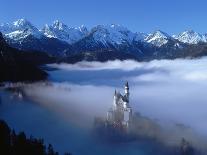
x: 120, y: 114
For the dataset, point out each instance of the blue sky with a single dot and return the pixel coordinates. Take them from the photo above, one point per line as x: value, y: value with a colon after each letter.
x: 172, y: 16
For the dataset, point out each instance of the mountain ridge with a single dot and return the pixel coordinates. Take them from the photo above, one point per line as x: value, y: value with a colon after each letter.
x: 62, y: 41
x: 62, y: 32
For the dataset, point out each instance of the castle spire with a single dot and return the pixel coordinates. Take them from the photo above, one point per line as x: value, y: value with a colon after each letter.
x: 126, y: 87
x: 126, y: 84
x: 127, y: 90
x: 115, y: 99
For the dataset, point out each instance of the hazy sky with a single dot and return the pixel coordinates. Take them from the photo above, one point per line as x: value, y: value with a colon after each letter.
x: 171, y: 16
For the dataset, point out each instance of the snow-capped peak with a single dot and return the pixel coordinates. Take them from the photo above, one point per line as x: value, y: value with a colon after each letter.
x: 19, y: 29
x: 61, y: 31
x: 158, y: 38
x: 83, y: 29
x: 22, y: 25
x: 112, y: 34
x: 59, y: 25
x: 190, y: 37
x: 21, y: 22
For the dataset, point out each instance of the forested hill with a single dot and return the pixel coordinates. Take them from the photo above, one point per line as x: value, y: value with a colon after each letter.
x: 16, y: 65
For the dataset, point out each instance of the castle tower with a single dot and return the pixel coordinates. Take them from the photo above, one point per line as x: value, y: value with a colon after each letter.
x: 115, y: 101
x: 127, y: 108
x: 126, y: 90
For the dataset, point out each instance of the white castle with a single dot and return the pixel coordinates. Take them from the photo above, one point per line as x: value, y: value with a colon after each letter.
x: 121, y: 113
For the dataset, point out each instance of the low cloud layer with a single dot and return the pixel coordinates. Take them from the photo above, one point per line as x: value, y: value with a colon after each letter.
x: 186, y: 69
x: 168, y: 91
x: 77, y: 104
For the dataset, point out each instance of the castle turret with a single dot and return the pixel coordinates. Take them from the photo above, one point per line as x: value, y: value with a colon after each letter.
x: 115, y: 100
x: 126, y: 90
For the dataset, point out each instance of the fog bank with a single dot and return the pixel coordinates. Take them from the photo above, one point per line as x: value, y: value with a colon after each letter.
x: 172, y: 93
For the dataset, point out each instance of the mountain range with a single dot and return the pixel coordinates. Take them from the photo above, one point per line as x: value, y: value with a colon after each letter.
x: 102, y: 42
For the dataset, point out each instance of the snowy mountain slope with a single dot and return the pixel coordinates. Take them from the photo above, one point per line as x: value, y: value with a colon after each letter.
x: 23, y: 35
x: 190, y: 37
x: 63, y: 32
x: 114, y: 35
x: 19, y: 30
x: 6, y: 28
x: 60, y: 40
x: 158, y: 38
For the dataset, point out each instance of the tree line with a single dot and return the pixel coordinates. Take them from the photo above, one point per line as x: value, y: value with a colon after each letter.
x: 12, y: 143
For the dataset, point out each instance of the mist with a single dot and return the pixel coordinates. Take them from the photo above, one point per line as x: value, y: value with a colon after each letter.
x: 168, y: 90
x: 167, y: 93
